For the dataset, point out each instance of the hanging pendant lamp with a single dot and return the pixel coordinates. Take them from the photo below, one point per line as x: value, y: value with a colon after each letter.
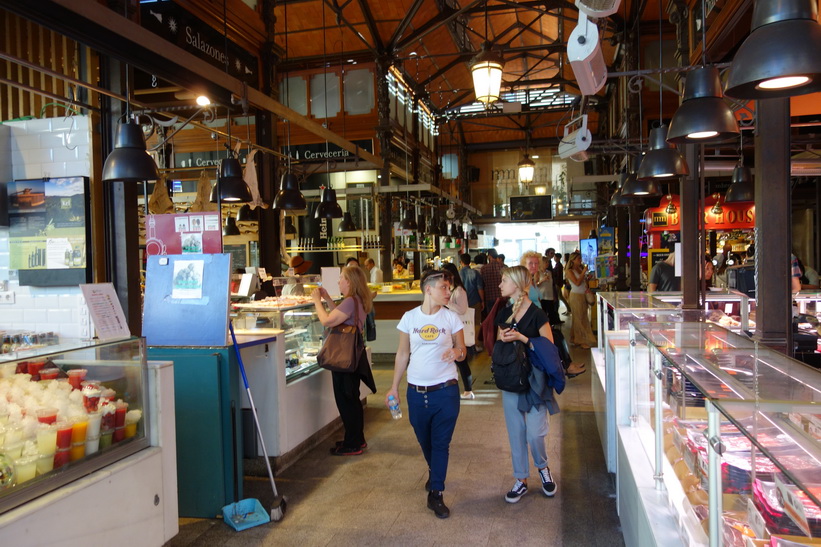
x: 347, y: 224
x: 289, y: 198
x: 663, y: 160
x: 717, y: 209
x: 232, y: 187
x: 703, y: 117
x: 527, y: 169
x: 230, y: 228
x: 290, y: 229
x: 129, y: 161
x: 633, y: 187
x: 742, y: 187
x: 245, y: 214
x: 328, y: 207
x: 780, y: 57
x: 409, y: 222
x: 433, y: 228
x: 486, y: 69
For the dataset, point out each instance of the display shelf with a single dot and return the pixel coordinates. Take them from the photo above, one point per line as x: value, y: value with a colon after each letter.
x: 431, y: 249
x: 341, y: 249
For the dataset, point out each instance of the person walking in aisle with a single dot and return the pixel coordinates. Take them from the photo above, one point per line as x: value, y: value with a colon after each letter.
x: 525, y: 413
x: 558, y: 279
x: 458, y: 303
x: 357, y: 302
x: 491, y: 277
x: 430, y: 341
x: 576, y: 274
x: 474, y: 286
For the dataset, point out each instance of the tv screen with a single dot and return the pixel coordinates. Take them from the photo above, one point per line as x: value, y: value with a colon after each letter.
x: 590, y: 250
x: 530, y: 208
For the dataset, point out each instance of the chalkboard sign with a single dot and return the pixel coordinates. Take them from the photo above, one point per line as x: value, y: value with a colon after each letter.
x: 239, y: 255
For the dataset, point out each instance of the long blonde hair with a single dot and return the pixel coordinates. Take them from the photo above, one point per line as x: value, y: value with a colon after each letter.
x: 573, y: 256
x: 359, y: 287
x: 521, y: 278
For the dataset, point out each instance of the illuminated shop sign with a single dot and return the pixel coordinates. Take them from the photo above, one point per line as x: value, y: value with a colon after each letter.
x: 733, y: 216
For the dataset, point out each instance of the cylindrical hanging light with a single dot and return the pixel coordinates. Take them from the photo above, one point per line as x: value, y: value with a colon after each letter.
x: 328, y: 206
x: 289, y: 198
x: 742, y: 187
x: 703, y: 117
x: 663, y: 160
x: 230, y: 228
x: 232, y: 187
x: 347, y: 224
x: 780, y: 57
x: 486, y: 69
x: 527, y: 169
x: 129, y: 161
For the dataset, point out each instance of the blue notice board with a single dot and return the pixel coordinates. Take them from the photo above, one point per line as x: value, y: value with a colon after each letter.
x: 186, y: 300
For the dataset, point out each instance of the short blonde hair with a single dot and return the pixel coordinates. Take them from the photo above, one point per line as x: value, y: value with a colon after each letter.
x: 527, y: 256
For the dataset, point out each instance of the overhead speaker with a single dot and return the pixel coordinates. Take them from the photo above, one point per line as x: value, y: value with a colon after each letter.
x: 576, y: 140
x: 598, y: 8
x: 585, y: 56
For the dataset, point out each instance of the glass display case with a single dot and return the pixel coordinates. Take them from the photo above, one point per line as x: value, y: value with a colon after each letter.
x: 67, y: 410
x: 733, y: 309
x: 729, y: 428
x: 807, y: 328
x: 302, y: 331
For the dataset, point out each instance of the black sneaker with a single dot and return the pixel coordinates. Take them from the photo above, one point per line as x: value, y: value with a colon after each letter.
x: 519, y: 489
x: 343, y: 451
x: 548, y: 485
x: 437, y: 504
x: 340, y: 443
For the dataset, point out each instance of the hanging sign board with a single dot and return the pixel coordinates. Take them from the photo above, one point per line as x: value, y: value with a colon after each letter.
x: 184, y: 233
x: 734, y: 216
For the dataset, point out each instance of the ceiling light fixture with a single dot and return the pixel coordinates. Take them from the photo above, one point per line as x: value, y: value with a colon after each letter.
x: 230, y: 228
x: 347, y: 224
x: 129, y: 161
x: 289, y: 198
x: 703, y: 116
x: 742, y: 187
x: 290, y: 229
x: 486, y: 69
x: 527, y: 169
x: 635, y: 187
x: 717, y: 209
x: 780, y: 56
x: 328, y: 206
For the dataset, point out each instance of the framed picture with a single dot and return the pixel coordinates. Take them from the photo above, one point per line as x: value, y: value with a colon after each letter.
x: 49, y: 232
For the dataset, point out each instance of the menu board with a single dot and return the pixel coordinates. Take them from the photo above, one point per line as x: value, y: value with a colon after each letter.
x: 48, y: 231
x: 184, y: 233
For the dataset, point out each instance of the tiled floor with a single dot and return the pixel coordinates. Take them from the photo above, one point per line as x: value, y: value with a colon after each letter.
x: 379, y: 499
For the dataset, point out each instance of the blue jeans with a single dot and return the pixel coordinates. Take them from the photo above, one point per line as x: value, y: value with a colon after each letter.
x: 525, y: 429
x: 433, y: 417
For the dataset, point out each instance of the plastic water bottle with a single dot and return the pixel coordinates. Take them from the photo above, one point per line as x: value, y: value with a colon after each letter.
x: 393, y: 404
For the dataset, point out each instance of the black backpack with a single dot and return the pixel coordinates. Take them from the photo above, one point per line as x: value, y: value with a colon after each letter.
x: 510, y: 365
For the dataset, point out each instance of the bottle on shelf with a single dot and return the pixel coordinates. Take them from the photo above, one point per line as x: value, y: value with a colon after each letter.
x: 393, y: 405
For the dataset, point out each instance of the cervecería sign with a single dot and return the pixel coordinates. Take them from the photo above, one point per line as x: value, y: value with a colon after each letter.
x: 185, y: 30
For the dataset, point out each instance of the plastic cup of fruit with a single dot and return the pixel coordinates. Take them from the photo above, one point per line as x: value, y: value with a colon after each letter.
x: 64, y: 432
x: 92, y: 445
x: 26, y: 468
x: 78, y: 431
x: 46, y: 415
x: 76, y: 376
x: 49, y: 374
x: 47, y: 439
x: 45, y: 464
x: 61, y: 458
x: 77, y: 451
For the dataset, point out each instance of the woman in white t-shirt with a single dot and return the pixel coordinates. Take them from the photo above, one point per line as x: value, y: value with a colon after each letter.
x: 430, y: 342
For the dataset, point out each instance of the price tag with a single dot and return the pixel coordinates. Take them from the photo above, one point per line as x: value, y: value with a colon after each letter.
x: 728, y: 308
x: 793, y: 506
x: 755, y: 520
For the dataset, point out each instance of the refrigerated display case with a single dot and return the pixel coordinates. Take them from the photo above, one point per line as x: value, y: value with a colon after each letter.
x: 721, y: 439
x: 69, y: 443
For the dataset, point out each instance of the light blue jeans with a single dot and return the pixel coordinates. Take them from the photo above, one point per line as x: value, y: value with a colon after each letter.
x: 525, y: 429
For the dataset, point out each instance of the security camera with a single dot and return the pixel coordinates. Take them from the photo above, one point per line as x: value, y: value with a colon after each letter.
x: 576, y: 140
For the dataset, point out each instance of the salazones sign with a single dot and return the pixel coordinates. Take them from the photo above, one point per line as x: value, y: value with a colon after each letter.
x: 183, y: 29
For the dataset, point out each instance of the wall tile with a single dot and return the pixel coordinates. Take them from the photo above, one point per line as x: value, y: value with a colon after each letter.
x: 35, y: 316
x: 23, y: 142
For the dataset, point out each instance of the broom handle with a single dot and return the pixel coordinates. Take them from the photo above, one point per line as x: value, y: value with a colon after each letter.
x: 253, y: 407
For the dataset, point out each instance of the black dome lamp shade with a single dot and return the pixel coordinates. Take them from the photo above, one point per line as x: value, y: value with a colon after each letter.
x: 347, y: 224
x: 213, y: 197
x: 742, y: 187
x: 245, y: 214
x: 409, y: 222
x: 704, y: 116
x: 129, y: 161
x: 619, y: 200
x: 780, y: 57
x: 328, y: 206
x: 230, y: 228
x: 663, y: 160
x: 433, y: 228
x: 635, y: 188
x: 289, y: 197
x: 232, y: 187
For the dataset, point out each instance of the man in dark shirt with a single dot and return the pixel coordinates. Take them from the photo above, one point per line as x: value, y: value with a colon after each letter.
x: 492, y: 276
x: 663, y: 276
